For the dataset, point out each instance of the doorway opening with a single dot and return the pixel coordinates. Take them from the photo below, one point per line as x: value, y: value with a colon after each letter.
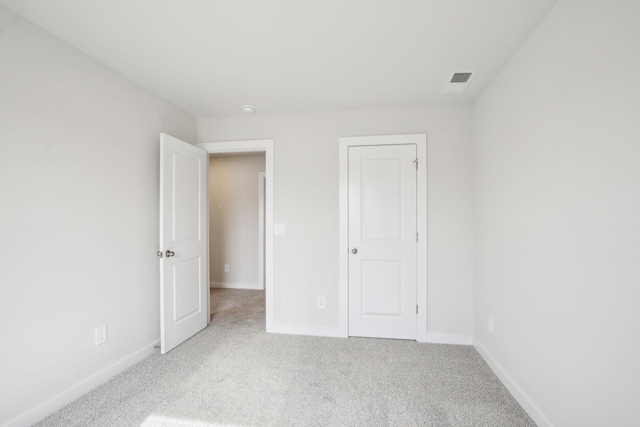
x: 236, y: 220
x: 235, y: 150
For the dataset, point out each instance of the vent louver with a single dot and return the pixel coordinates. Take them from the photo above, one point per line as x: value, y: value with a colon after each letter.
x: 458, y: 81
x: 460, y: 77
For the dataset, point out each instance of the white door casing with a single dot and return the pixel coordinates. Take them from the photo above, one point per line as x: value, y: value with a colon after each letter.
x: 382, y: 240
x: 253, y: 146
x: 184, y: 266
x: 420, y: 142
x: 261, y: 221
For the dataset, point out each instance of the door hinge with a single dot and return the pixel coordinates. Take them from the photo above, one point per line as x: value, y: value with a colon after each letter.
x: 416, y: 162
x: 416, y: 237
x: 416, y: 308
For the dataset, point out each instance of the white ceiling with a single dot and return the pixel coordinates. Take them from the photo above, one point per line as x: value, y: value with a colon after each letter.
x: 209, y: 57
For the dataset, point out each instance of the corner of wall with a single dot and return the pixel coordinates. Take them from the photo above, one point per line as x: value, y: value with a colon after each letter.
x: 516, y: 391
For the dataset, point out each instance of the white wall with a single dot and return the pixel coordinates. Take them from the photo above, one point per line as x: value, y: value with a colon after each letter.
x: 306, y: 200
x: 233, y: 220
x: 79, y: 218
x: 557, y: 172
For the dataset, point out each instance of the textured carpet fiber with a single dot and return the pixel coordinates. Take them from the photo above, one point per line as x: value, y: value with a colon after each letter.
x: 235, y: 374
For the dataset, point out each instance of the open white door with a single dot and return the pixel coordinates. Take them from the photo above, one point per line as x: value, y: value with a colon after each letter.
x: 184, y: 272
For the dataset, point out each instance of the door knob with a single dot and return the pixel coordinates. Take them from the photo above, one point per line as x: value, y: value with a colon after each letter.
x: 170, y: 253
x: 354, y: 251
x: 160, y: 254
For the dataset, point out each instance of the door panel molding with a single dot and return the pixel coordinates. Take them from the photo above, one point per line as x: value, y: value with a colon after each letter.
x: 420, y: 141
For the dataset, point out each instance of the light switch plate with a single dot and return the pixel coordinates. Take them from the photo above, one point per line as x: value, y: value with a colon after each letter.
x: 279, y: 229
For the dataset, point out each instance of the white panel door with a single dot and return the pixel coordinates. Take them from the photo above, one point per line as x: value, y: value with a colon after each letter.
x: 184, y: 270
x: 382, y: 241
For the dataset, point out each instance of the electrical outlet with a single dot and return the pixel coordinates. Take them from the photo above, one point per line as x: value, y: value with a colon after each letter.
x: 101, y: 334
x: 226, y: 268
x: 321, y: 302
x: 490, y: 324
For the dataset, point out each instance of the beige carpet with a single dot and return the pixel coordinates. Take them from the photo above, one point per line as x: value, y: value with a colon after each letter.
x: 235, y: 374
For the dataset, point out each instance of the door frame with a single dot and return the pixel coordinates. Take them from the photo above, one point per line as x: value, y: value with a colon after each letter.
x: 257, y: 146
x: 261, y: 184
x: 420, y: 141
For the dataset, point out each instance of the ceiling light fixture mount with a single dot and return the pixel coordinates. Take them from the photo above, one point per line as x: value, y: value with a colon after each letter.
x: 248, y: 109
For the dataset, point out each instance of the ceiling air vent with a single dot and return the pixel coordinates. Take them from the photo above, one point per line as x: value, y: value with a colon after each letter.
x: 458, y: 81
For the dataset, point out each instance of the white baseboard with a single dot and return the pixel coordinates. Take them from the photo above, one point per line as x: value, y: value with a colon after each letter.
x: 531, y: 408
x: 225, y: 285
x: 449, y: 339
x: 337, y: 333
x: 62, y: 399
x: 306, y: 330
